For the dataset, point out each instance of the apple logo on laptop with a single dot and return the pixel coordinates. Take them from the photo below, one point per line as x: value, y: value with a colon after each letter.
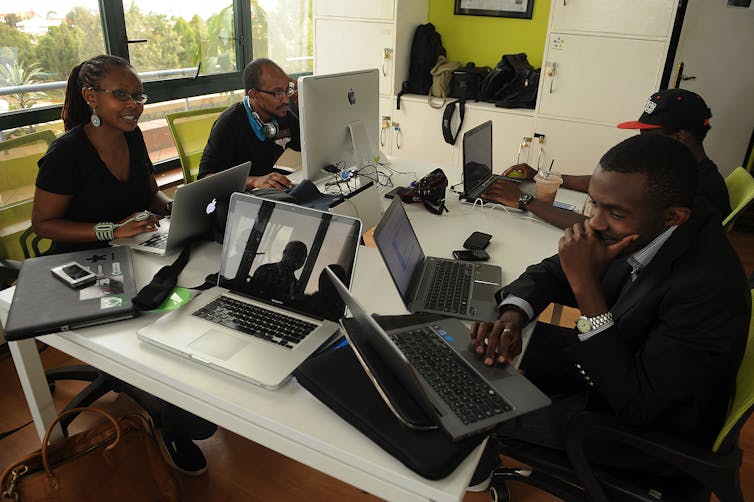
x: 351, y: 97
x: 211, y: 206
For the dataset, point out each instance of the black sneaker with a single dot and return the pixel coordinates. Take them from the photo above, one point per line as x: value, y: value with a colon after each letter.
x: 183, y: 454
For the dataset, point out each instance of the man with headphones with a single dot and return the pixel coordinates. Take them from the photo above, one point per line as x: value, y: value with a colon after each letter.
x: 257, y: 129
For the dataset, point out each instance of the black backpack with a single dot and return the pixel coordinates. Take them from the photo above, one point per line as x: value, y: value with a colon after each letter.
x: 425, y: 49
x: 509, y: 85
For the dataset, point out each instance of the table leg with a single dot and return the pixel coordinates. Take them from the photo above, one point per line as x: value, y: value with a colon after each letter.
x: 34, y: 384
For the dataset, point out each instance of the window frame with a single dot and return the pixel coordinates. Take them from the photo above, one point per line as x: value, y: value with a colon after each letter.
x: 112, y: 16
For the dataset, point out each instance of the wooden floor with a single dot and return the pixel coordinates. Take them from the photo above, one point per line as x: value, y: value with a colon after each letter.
x: 239, y: 469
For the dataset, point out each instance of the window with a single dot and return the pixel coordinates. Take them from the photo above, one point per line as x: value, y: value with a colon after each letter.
x: 189, y: 54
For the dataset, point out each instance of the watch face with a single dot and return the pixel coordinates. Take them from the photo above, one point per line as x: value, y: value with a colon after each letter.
x: 583, y: 325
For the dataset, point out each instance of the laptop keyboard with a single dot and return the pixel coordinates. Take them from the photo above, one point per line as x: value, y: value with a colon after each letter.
x: 451, y: 282
x: 157, y: 241
x: 466, y: 393
x: 265, y: 324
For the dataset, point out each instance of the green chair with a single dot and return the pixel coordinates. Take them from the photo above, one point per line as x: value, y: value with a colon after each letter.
x: 741, y: 192
x: 18, y: 173
x: 570, y: 477
x: 190, y: 130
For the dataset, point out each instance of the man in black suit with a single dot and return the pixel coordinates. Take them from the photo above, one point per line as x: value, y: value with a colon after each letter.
x: 664, y: 302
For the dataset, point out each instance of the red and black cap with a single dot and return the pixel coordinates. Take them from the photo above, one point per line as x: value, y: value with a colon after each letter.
x: 672, y: 109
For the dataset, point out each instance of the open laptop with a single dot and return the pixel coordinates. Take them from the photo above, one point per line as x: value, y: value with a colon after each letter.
x: 428, y: 284
x: 477, y: 164
x: 43, y: 304
x: 193, y: 212
x: 446, y: 379
x: 273, y: 306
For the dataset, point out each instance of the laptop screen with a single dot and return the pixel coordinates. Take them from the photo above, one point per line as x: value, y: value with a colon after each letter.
x: 399, y: 246
x: 477, y: 155
x: 277, y: 253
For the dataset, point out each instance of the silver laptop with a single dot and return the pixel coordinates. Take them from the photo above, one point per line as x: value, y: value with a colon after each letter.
x: 428, y: 284
x: 477, y: 164
x: 274, y: 305
x: 194, y: 206
x: 448, y: 381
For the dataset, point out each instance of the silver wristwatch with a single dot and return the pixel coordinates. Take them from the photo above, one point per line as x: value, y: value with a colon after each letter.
x: 524, y: 199
x: 586, y: 324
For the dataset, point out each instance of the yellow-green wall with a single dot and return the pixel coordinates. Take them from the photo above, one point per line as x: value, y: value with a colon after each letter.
x: 484, y: 39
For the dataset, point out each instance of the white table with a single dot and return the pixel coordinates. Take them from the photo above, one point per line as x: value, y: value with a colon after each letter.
x: 290, y: 420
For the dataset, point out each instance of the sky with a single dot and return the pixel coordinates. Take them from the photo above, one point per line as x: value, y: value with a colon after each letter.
x: 184, y: 8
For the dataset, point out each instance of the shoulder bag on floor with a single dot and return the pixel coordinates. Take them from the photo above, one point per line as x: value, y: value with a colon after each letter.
x: 115, y: 461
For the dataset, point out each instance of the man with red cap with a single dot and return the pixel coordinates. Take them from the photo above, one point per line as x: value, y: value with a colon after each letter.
x: 678, y: 113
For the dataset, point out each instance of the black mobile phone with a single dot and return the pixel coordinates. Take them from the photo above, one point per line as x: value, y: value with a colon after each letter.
x: 471, y: 255
x: 477, y: 240
x: 395, y: 191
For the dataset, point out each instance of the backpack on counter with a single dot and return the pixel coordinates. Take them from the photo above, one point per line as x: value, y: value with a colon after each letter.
x: 508, y: 77
x: 426, y: 47
x: 467, y: 82
x: 442, y: 80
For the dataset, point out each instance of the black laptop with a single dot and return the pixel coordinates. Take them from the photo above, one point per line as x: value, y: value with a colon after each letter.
x: 477, y: 163
x: 436, y: 367
x: 43, y: 304
x: 436, y: 285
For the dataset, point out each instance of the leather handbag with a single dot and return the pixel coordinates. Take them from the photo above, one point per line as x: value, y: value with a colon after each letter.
x: 115, y: 461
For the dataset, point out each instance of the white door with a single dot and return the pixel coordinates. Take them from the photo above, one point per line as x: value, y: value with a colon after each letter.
x: 652, y: 18
x: 598, y: 79
x: 359, y: 45
x: 717, y: 49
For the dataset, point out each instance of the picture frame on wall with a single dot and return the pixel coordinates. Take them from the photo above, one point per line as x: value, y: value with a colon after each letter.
x: 521, y: 9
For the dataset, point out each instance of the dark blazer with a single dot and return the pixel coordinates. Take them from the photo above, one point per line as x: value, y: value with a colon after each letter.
x: 670, y: 360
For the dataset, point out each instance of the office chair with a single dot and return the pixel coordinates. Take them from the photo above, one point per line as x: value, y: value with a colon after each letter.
x: 741, y: 192
x: 31, y: 243
x: 569, y: 475
x: 190, y: 130
x: 18, y: 172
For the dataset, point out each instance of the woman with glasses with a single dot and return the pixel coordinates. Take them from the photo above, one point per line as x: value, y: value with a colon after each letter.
x: 94, y: 184
x: 96, y: 181
x: 258, y: 128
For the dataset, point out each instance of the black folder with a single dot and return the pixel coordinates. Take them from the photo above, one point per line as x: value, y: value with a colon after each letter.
x: 337, y: 379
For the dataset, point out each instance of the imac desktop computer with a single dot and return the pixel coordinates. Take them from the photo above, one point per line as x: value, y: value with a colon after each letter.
x: 339, y: 118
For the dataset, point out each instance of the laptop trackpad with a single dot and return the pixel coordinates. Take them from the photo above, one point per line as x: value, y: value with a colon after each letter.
x: 218, y: 344
x: 485, y: 292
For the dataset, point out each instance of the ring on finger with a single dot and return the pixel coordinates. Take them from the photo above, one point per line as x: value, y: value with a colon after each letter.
x: 507, y: 330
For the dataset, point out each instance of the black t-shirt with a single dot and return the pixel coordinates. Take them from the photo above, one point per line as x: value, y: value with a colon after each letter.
x: 712, y: 187
x: 232, y: 141
x: 72, y: 166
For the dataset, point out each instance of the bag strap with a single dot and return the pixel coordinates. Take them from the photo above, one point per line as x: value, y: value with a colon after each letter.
x: 447, y: 115
x: 46, y: 440
x: 153, y: 294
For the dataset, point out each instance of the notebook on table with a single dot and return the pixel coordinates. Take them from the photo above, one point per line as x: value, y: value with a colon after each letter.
x: 43, y: 304
x: 437, y: 367
x: 477, y: 164
x: 437, y: 285
x: 193, y: 213
x: 274, y: 305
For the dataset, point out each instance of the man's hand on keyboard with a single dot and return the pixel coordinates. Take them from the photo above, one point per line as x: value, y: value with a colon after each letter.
x: 499, y: 341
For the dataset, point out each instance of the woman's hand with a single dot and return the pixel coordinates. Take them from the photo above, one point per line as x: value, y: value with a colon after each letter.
x: 136, y: 224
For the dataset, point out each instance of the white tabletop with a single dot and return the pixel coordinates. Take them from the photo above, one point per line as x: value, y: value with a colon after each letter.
x: 290, y: 420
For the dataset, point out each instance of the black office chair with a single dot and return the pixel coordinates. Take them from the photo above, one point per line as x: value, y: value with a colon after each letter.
x: 571, y: 477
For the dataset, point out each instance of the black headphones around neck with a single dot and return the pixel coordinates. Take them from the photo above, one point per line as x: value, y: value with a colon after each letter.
x: 269, y: 129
